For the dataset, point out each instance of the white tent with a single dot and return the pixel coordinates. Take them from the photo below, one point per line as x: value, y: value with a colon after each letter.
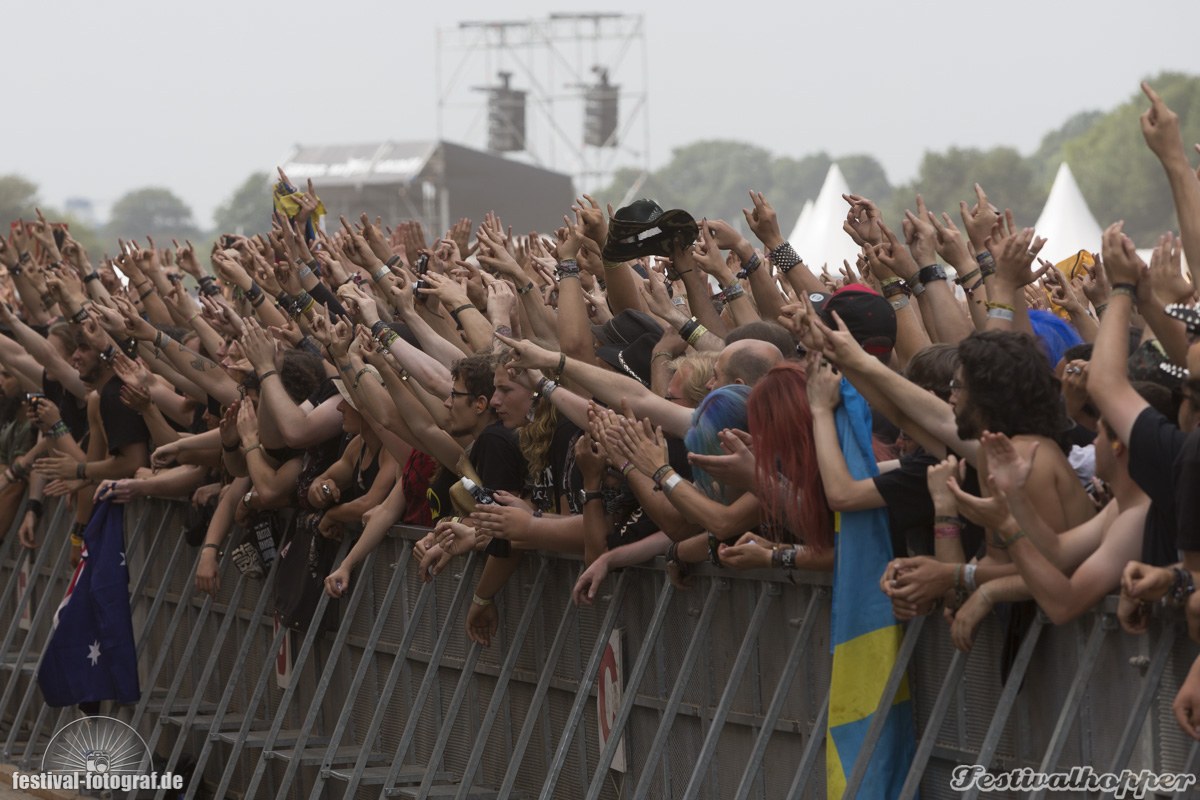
x: 1066, y: 221
x: 802, y: 224
x: 820, y: 240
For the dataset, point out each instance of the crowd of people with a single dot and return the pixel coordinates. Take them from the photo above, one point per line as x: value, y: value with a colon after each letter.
x: 643, y: 382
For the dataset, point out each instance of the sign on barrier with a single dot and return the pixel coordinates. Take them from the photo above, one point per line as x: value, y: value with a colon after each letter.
x: 608, y: 697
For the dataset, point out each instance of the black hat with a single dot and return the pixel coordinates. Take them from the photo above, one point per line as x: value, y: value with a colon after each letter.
x: 642, y: 228
x: 869, y: 317
x: 625, y: 328
x: 632, y: 359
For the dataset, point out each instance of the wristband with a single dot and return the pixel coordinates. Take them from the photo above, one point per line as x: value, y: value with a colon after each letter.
x: 562, y: 364
x: 81, y: 471
x: 660, y: 473
x: 304, y: 272
x: 315, y: 266
x: 526, y: 289
x: 750, y: 266
x: 1127, y: 289
x: 391, y: 262
x: 969, y: 577
x: 1000, y: 313
x: 787, y: 558
x: 459, y: 310
x: 34, y: 505
x: 626, y: 468
x: 714, y: 549
x: 688, y: 328
x: 1020, y: 534
x: 733, y: 293
x: 57, y: 430
x: 79, y: 316
x: 146, y: 294
x: 254, y: 292
x: 207, y: 545
x: 784, y: 256
x: 76, y: 540
x: 670, y: 482
x: 233, y: 448
x: 899, y: 302
x: 481, y: 601
x: 987, y: 263
x: 696, y: 334
x: 378, y: 328
x: 267, y: 374
x: 379, y: 274
x: 1182, y: 587
x: 567, y: 268
x: 109, y: 354
x: 367, y: 370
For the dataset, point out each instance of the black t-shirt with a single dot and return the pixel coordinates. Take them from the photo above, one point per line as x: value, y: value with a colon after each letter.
x: 496, y: 456
x: 1155, y: 447
x: 547, y: 489
x: 72, y: 410
x: 630, y: 520
x: 1187, y: 494
x: 122, y: 425
x: 910, y: 508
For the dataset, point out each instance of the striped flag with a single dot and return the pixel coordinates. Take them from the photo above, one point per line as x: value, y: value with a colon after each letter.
x: 864, y: 633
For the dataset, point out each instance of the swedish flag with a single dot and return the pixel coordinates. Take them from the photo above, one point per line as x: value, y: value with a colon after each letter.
x: 864, y: 633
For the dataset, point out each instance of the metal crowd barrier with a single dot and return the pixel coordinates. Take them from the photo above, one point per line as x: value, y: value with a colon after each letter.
x: 719, y: 691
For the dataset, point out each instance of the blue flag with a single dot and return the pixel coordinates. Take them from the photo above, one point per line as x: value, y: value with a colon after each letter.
x: 863, y: 631
x: 91, y: 654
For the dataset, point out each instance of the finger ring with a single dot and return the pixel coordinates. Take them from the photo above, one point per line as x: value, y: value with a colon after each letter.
x: 325, y: 489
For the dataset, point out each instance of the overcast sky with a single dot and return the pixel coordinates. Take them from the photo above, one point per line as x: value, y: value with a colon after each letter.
x: 107, y: 97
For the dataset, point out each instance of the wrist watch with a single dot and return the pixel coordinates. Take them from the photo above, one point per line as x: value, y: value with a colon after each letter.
x: 934, y: 272
x: 586, y: 497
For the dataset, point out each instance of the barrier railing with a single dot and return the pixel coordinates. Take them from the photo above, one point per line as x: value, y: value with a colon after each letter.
x: 719, y: 691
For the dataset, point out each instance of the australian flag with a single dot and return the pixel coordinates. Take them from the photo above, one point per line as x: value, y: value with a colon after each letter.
x: 91, y: 654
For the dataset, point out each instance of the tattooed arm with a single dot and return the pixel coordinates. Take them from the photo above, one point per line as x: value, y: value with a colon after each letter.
x: 199, y: 370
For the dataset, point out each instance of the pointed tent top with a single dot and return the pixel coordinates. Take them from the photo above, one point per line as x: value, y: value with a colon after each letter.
x: 823, y: 242
x: 1066, y: 221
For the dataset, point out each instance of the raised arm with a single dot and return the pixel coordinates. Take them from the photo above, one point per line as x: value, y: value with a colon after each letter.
x: 1160, y: 127
x: 605, y: 385
x: 1108, y: 372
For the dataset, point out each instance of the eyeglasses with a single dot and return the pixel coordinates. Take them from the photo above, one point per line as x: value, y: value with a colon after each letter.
x: 455, y: 393
x: 956, y: 385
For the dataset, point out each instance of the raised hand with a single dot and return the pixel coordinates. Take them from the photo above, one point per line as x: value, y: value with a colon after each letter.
x: 763, y: 221
x: 592, y: 219
x: 862, y: 221
x: 979, y: 219
x: 1160, y: 127
x: 920, y: 234
x: 1166, y: 271
x: 1119, y: 256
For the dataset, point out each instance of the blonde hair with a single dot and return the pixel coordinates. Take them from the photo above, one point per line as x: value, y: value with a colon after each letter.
x: 695, y: 386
